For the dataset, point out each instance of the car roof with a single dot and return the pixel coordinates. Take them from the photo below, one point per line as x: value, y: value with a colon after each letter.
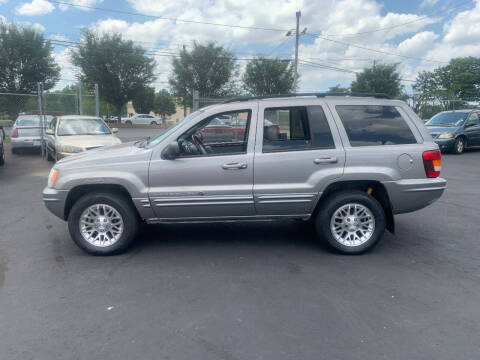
x: 461, y: 110
x: 75, y: 117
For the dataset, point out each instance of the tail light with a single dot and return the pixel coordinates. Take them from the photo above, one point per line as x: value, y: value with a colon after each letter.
x: 432, y: 161
x: 15, y: 133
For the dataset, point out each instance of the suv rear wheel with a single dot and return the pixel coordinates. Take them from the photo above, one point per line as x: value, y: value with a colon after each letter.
x: 351, y: 222
x: 103, y: 223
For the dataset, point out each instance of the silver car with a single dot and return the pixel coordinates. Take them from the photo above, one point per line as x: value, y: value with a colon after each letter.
x: 73, y: 134
x: 27, y: 132
x: 348, y: 163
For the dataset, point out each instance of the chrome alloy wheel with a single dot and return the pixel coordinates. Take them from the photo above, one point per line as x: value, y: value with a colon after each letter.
x: 460, y: 145
x: 101, y: 225
x: 352, y: 224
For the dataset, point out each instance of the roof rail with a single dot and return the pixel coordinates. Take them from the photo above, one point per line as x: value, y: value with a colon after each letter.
x: 354, y: 94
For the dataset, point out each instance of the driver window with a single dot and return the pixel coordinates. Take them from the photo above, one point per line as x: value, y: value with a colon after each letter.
x: 221, y: 134
x: 473, y: 119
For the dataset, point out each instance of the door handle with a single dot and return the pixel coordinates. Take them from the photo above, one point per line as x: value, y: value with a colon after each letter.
x: 325, y: 160
x: 234, y: 166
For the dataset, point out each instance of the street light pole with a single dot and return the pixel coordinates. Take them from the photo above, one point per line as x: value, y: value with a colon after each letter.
x: 297, y: 37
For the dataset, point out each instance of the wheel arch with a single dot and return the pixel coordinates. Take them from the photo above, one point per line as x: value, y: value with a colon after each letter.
x: 78, y: 191
x: 371, y: 187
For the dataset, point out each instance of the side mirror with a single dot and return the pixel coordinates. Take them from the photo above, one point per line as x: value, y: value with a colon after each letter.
x: 3, y: 132
x: 114, y: 130
x: 171, y: 152
x: 49, y: 132
x: 469, y: 124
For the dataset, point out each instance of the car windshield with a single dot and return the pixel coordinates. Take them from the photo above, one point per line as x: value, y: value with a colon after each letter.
x: 159, y: 139
x: 69, y: 127
x: 448, y: 119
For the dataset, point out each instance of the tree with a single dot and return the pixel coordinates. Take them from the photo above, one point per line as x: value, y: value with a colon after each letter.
x: 143, y: 100
x: 448, y: 86
x: 164, y: 104
x: 25, y: 60
x: 265, y: 76
x: 207, y: 69
x: 379, y: 79
x: 338, y: 89
x: 118, y: 66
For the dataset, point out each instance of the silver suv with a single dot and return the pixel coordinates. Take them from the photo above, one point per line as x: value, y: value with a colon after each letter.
x: 347, y: 162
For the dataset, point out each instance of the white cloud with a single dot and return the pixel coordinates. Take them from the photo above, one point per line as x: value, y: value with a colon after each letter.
x: 36, y: 7
x: 428, y: 3
x: 36, y: 26
x: 80, y: 3
x: 418, y: 45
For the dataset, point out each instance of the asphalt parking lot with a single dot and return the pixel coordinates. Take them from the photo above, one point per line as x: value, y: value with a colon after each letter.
x: 240, y: 291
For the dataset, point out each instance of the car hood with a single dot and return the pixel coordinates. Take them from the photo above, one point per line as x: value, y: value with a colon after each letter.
x: 442, y: 129
x: 106, y: 156
x: 89, y: 141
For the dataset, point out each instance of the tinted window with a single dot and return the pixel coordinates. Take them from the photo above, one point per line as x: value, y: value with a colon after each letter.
x: 296, y: 128
x: 214, y: 136
x: 473, y: 119
x: 369, y: 125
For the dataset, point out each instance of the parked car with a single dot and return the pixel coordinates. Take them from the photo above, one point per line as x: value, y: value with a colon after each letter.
x: 73, y: 134
x: 455, y: 130
x: 2, y: 149
x: 349, y: 163
x: 27, y: 132
x: 143, y: 119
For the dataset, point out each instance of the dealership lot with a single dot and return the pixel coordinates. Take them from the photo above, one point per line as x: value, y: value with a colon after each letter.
x: 240, y: 291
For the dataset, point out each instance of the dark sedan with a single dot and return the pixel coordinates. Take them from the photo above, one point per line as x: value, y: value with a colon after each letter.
x: 455, y: 130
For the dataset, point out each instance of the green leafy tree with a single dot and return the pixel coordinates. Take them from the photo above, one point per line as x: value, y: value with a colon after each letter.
x: 379, y: 79
x: 338, y: 89
x: 118, y: 66
x: 164, y: 104
x: 207, y: 68
x: 265, y: 76
x: 143, y: 100
x: 26, y: 59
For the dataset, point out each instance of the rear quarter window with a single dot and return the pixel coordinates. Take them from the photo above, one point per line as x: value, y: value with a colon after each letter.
x: 372, y: 125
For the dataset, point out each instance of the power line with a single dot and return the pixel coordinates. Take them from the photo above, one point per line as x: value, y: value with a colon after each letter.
x: 402, y: 24
x: 167, y: 18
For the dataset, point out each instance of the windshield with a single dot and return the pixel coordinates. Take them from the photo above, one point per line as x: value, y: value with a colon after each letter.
x: 448, y: 119
x: 68, y: 127
x: 32, y: 121
x: 159, y: 139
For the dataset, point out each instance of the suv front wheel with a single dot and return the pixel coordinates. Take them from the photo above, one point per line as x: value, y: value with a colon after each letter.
x: 103, y: 223
x: 351, y: 222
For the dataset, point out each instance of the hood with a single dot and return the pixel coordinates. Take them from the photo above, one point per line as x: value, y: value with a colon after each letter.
x: 106, y: 156
x: 89, y: 141
x: 442, y: 129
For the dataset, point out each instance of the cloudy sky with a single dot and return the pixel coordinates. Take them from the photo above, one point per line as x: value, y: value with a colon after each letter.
x: 342, y: 36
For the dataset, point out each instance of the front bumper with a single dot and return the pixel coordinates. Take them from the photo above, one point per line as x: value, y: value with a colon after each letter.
x: 55, y: 201
x: 414, y: 194
x: 445, y: 144
x: 26, y: 142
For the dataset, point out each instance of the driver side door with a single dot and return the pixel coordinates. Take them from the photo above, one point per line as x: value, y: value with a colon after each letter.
x: 213, y: 183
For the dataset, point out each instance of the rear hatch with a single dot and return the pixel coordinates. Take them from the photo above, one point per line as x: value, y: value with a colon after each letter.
x: 29, y: 126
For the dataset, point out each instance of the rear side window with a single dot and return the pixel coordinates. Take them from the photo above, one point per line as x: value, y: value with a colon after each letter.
x: 371, y: 125
x: 296, y: 128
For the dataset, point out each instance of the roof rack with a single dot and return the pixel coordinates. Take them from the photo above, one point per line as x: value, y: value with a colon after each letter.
x: 353, y: 94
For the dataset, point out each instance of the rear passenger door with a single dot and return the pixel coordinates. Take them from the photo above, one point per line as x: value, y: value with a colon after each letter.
x: 472, y: 129
x: 296, y: 154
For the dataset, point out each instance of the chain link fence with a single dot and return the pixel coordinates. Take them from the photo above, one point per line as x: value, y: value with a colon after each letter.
x: 12, y: 105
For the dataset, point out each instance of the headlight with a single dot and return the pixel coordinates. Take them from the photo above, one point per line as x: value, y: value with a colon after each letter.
x: 52, y: 177
x: 445, y: 136
x: 70, y: 149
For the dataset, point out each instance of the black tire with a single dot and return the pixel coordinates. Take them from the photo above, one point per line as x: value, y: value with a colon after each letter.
x: 49, y: 156
x: 128, y: 122
x: 334, y: 202
x: 14, y: 151
x: 459, y: 146
x: 153, y: 123
x: 120, y: 203
x: 2, y: 156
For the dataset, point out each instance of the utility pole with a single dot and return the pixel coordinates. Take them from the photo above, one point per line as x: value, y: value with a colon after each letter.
x: 97, y: 102
x: 297, y: 37
x: 80, y: 102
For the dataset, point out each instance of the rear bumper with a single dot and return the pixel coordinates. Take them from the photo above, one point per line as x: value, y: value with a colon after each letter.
x: 55, y: 201
x: 414, y: 194
x: 26, y: 142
